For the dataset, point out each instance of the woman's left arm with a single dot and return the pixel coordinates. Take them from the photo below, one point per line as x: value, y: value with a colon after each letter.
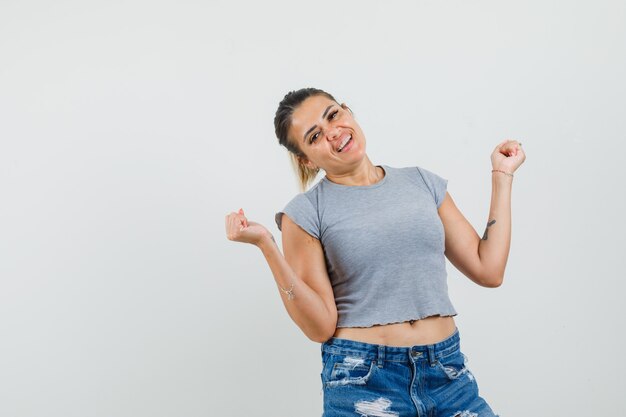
x: 483, y: 259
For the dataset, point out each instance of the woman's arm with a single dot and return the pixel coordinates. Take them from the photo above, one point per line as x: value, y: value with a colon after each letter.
x: 312, y: 306
x: 493, y: 247
x: 483, y: 260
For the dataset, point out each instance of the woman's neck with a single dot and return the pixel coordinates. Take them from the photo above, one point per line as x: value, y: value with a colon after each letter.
x: 367, y: 174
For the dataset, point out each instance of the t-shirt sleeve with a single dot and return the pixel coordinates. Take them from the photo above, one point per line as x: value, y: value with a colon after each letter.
x: 436, y: 184
x: 302, y: 212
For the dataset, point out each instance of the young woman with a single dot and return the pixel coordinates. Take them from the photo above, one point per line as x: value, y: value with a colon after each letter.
x: 364, y: 272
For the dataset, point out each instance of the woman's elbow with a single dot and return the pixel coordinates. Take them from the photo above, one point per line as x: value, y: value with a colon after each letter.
x: 321, y: 338
x: 322, y: 335
x: 492, y: 281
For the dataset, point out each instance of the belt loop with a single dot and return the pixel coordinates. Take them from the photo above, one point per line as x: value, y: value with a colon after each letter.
x: 431, y: 355
x: 381, y: 356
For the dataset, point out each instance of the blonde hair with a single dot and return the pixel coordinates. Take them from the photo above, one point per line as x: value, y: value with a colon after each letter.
x: 305, y: 174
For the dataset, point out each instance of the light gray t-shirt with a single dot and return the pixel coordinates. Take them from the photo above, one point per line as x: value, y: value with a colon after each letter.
x: 383, y: 245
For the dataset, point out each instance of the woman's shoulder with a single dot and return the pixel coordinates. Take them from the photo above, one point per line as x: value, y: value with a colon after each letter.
x: 311, y: 194
x: 411, y: 168
x: 426, y: 178
x: 418, y: 171
x: 302, y: 209
x: 415, y: 173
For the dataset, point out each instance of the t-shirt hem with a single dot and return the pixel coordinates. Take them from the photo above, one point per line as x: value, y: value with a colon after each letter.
x: 397, y: 320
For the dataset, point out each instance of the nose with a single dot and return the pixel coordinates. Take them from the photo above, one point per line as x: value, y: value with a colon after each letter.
x: 332, y: 133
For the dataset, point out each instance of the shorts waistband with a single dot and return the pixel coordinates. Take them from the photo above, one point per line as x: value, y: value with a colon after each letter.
x: 336, y: 345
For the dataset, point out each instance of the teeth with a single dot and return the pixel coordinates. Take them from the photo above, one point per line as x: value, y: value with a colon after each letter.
x: 344, y: 143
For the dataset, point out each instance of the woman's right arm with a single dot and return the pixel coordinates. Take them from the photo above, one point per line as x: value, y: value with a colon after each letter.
x: 313, y: 306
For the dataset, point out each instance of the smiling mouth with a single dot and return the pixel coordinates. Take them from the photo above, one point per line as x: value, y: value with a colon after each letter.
x: 344, y: 143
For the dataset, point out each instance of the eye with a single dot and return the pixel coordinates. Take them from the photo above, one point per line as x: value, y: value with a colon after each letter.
x: 330, y: 117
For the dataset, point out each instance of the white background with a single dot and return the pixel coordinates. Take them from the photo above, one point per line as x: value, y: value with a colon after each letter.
x: 129, y: 129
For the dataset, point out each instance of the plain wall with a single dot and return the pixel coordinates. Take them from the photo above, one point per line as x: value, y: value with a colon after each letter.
x: 128, y: 130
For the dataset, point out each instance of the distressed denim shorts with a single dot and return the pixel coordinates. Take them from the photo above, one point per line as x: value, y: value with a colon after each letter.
x: 364, y: 379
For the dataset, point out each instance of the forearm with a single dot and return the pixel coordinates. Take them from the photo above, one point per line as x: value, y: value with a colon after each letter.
x: 493, y: 248
x: 306, y: 308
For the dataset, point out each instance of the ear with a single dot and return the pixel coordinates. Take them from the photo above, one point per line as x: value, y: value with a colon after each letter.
x: 304, y: 161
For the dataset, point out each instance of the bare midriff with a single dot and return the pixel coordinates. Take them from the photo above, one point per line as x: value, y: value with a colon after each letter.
x: 426, y: 331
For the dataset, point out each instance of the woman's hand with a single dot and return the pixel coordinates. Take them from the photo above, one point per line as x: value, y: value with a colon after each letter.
x: 239, y: 229
x: 508, y: 156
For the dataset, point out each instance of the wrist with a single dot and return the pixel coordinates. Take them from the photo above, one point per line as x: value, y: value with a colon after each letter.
x: 266, y: 242
x: 501, y: 172
x: 499, y: 179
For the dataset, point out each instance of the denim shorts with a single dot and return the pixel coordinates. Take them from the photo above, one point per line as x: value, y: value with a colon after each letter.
x: 365, y: 379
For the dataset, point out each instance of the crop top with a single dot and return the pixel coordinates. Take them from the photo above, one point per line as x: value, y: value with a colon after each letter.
x: 383, y: 245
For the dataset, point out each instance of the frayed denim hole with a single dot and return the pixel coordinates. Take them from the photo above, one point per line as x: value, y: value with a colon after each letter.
x: 451, y: 365
x: 350, y: 372
x: 329, y: 360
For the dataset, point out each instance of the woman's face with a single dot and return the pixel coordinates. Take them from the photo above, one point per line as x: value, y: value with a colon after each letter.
x: 320, y: 127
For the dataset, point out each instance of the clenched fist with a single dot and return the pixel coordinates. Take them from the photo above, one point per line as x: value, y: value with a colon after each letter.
x: 508, y: 156
x: 239, y: 229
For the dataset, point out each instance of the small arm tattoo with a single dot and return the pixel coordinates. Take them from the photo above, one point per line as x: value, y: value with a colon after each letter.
x: 488, y: 225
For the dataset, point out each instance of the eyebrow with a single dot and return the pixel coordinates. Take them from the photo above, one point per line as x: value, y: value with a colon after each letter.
x: 314, y: 126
